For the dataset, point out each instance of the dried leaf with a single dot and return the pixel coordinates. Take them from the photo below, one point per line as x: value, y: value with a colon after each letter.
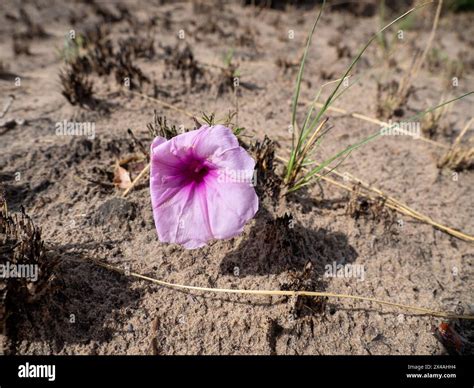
x: 121, y: 177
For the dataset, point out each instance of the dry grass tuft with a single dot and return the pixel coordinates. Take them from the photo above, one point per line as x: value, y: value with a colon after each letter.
x: 396, y: 95
x: 33, y: 29
x: 459, y: 157
x: 159, y: 127
x: 21, y: 244
x: 433, y: 123
x: 268, y: 182
x: 182, y: 59
x: 77, y: 88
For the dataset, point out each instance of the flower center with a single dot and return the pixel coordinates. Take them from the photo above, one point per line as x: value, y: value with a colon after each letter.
x: 196, y: 171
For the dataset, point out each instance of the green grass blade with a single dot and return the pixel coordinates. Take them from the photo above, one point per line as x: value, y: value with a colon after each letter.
x: 302, y: 65
x: 298, y: 88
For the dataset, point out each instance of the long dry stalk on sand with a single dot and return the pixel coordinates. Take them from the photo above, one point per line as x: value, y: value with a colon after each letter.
x: 373, y: 120
x: 418, y: 310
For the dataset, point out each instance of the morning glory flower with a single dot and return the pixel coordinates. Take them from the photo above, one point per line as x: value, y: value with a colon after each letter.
x: 201, y: 186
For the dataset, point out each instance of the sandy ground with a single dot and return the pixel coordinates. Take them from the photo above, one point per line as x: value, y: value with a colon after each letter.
x: 65, y: 184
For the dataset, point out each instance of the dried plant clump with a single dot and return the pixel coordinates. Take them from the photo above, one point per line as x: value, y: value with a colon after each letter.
x: 33, y: 30
x: 184, y: 62
x: 280, y: 5
x: 268, y: 181
x: 159, y: 127
x: 215, y: 17
x: 342, y: 50
x: 281, y: 234
x: 95, y: 34
x: 77, y: 88
x: 91, y: 51
x: 391, y: 99
x: 360, y: 206
x: 287, y: 65
x: 433, y: 123
x: 125, y: 70
x: 140, y: 47
x: 21, y: 245
x: 210, y: 27
x: 247, y: 38
x: 101, y: 57
x: 459, y: 157
x: 81, y: 65
x: 228, y: 76
x: 109, y: 15
x: 227, y: 79
x: 137, y: 143
x: 304, y: 281
x: 163, y: 20
x: 20, y: 46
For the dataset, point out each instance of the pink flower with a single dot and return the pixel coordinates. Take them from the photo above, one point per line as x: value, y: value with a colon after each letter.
x: 200, y: 184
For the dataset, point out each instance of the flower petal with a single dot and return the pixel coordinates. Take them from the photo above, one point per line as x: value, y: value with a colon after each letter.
x: 233, y: 204
x: 195, y: 229
x: 156, y: 142
x: 213, y: 141
x: 235, y: 159
x: 183, y: 219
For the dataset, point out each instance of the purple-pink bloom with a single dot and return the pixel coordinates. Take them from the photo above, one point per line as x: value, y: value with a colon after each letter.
x: 200, y: 185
